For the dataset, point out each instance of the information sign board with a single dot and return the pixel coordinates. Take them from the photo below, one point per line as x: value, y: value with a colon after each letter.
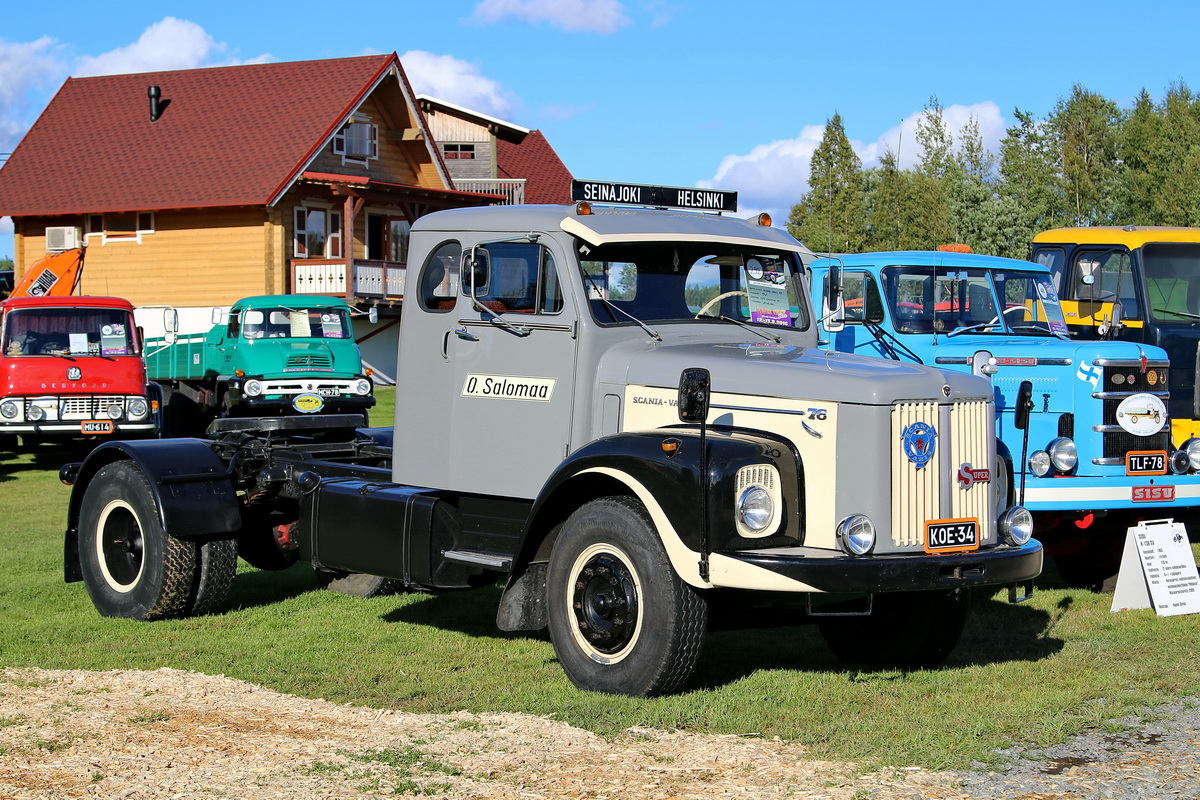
x: 1158, y: 569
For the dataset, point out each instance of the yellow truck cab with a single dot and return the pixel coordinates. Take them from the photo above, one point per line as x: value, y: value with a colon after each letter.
x: 1140, y: 284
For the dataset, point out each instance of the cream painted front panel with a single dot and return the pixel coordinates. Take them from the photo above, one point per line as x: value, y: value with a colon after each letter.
x: 648, y: 407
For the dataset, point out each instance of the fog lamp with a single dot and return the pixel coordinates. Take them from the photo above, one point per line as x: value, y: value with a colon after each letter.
x: 856, y: 534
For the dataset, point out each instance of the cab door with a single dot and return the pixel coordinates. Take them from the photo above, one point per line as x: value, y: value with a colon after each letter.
x: 512, y: 354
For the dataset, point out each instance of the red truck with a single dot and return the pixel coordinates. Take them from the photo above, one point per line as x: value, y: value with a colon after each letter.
x: 72, y: 366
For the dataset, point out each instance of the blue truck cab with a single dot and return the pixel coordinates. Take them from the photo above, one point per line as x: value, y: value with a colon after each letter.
x: 1096, y: 454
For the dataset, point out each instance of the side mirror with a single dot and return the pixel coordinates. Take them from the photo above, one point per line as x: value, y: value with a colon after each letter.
x: 1024, y: 406
x: 170, y: 320
x: 833, y: 308
x: 373, y: 314
x: 477, y: 269
x: 694, y: 387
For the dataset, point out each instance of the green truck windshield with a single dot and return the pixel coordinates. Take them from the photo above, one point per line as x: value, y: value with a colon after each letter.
x: 290, y: 323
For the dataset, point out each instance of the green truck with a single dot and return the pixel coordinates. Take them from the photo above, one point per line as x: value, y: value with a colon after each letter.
x: 270, y: 355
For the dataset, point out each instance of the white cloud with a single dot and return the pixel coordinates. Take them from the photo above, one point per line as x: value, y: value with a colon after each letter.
x: 448, y: 78
x: 772, y: 177
x: 171, y: 43
x: 596, y: 16
x: 29, y: 69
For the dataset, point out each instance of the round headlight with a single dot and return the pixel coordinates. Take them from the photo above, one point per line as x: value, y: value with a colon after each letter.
x: 1192, y: 446
x: 1039, y: 463
x: 755, y: 509
x: 252, y: 388
x: 1016, y: 526
x: 9, y: 409
x: 856, y: 534
x: 137, y: 407
x: 115, y: 411
x: 362, y: 386
x: 37, y: 413
x: 1063, y: 454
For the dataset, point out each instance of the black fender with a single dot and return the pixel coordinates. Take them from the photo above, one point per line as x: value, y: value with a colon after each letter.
x: 669, y: 480
x: 189, y: 502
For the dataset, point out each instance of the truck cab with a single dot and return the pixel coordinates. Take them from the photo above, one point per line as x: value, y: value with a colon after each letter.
x: 1095, y: 454
x: 268, y: 355
x: 1137, y: 284
x: 72, y: 366
x: 620, y: 413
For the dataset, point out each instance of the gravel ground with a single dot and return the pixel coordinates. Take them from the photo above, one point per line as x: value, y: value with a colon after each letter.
x: 173, y: 734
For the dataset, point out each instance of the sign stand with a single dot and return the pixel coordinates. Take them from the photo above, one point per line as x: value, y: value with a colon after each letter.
x: 1158, y: 570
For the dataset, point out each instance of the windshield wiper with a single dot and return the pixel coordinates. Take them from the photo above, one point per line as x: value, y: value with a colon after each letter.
x: 970, y: 328
x: 519, y: 330
x: 614, y: 307
x: 740, y: 324
x: 1177, y: 313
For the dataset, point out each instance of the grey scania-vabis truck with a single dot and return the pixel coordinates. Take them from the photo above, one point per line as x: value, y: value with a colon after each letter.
x: 620, y: 414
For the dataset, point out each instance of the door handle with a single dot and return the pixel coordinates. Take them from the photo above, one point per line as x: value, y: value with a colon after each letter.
x: 466, y: 335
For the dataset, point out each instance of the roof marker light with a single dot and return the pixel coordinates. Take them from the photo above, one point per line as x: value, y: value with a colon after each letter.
x: 583, y: 208
x: 764, y: 219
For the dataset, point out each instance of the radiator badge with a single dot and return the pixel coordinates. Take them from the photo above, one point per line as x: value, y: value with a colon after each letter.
x: 967, y: 476
x: 74, y: 373
x: 920, y: 443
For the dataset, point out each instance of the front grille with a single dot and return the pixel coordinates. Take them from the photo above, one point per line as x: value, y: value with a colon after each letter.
x: 311, y: 360
x: 1133, y: 379
x: 965, y: 430
x: 89, y: 407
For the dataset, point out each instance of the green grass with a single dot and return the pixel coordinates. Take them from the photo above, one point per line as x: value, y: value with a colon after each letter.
x: 1036, y: 672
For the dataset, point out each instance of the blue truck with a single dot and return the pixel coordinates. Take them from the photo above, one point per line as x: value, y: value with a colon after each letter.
x: 1096, y: 453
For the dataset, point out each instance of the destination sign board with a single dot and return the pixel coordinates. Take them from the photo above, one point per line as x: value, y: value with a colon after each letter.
x: 637, y: 194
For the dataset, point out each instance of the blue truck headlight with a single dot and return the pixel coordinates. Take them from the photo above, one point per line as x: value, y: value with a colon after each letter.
x: 1063, y: 455
x: 1015, y: 526
x: 856, y: 534
x: 252, y: 388
x: 9, y: 410
x: 1039, y: 463
x: 137, y: 407
x: 362, y: 386
x: 1192, y: 446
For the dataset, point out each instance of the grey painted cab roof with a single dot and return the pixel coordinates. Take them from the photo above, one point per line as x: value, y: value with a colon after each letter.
x: 606, y: 225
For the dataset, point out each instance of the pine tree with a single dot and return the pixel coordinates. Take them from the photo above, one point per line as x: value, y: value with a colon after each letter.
x: 829, y: 216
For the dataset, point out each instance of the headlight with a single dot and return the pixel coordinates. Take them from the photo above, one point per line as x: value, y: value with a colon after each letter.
x: 137, y: 407
x: 1179, y: 462
x: 1192, y: 446
x: 252, y: 388
x: 856, y: 534
x: 1039, y: 463
x: 115, y: 411
x: 362, y: 386
x: 1016, y: 526
x: 755, y: 509
x: 1063, y: 454
x: 9, y: 410
x: 37, y: 413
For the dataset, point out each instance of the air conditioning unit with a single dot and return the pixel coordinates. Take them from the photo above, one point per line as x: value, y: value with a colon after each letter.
x: 63, y: 238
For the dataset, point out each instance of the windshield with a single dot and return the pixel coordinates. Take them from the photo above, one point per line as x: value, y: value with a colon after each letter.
x: 292, y: 323
x: 69, y: 331
x: 673, y: 282
x: 949, y: 300
x: 1172, y: 271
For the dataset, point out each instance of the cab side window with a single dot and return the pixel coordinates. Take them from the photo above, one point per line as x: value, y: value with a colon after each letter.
x: 863, y: 302
x: 1105, y: 276
x: 1055, y: 260
x: 439, y: 278
x: 522, y: 279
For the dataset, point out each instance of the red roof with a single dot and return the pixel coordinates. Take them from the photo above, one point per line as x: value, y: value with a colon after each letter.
x: 228, y: 136
x: 547, y: 179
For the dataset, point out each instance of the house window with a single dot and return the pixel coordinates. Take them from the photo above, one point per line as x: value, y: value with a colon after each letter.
x: 119, y: 225
x: 357, y: 141
x: 318, y: 233
x: 458, y: 151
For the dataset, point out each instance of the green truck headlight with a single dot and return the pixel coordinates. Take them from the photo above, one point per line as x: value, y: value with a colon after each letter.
x: 252, y: 388
x: 362, y: 386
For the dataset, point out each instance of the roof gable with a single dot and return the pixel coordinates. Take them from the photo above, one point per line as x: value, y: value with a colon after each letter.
x: 547, y: 179
x: 227, y: 136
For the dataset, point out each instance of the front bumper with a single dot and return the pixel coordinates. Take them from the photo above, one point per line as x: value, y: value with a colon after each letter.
x: 75, y: 428
x: 834, y: 571
x: 281, y: 406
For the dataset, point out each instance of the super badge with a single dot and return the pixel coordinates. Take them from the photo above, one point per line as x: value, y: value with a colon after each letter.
x: 920, y: 443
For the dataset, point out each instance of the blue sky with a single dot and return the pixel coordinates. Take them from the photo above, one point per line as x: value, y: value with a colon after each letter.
x: 678, y: 92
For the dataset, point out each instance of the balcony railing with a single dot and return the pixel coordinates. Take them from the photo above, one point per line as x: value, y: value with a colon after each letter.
x: 374, y: 279
x: 513, y: 189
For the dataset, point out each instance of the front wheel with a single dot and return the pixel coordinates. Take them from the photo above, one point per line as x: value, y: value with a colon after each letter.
x: 905, y: 630
x: 132, y: 567
x: 621, y: 620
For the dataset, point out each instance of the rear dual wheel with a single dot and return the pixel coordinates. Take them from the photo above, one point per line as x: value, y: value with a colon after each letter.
x: 132, y: 567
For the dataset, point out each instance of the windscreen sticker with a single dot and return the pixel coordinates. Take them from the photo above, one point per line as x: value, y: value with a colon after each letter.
x: 331, y: 326
x: 766, y: 290
x: 509, y: 387
x: 112, y: 340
